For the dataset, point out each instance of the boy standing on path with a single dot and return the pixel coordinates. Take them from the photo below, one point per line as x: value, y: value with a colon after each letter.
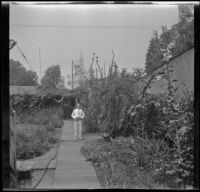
x: 78, y: 115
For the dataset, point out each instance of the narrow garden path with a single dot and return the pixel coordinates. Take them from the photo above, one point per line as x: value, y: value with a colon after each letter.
x: 72, y: 170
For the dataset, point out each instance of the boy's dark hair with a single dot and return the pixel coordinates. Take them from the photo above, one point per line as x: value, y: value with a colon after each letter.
x: 78, y: 104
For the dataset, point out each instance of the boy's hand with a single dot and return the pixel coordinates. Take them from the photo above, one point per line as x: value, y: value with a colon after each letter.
x: 77, y: 118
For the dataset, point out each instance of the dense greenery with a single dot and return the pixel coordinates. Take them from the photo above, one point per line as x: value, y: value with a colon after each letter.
x: 180, y: 38
x: 132, y: 163
x: 32, y: 141
x: 148, y: 140
x: 161, y: 126
x: 122, y: 163
x: 38, y: 132
x: 103, y: 98
x: 20, y: 76
x: 52, y: 78
x: 161, y: 143
x: 52, y: 116
x: 31, y: 112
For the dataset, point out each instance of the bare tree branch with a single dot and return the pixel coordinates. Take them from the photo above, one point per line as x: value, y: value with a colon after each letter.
x: 59, y: 101
x: 101, y: 72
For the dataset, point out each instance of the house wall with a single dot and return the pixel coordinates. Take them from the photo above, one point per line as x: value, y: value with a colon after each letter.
x: 183, y: 73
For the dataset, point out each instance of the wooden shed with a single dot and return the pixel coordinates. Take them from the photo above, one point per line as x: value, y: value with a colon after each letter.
x: 51, y: 97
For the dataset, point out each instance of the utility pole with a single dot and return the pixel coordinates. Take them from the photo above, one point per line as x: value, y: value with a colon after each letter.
x: 104, y: 69
x: 72, y: 74
x: 40, y: 65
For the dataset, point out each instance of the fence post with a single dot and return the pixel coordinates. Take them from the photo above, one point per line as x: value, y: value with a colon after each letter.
x: 12, y: 149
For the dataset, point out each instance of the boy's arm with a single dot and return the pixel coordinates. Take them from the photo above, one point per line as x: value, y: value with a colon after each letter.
x: 73, y: 114
x: 82, y: 114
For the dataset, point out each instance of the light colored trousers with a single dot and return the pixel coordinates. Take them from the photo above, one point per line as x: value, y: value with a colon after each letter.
x: 78, y: 128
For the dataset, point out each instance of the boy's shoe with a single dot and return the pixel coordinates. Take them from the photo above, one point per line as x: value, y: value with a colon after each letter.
x: 81, y: 138
x: 75, y: 139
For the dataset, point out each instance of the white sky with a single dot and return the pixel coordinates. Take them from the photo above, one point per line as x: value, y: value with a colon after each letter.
x: 131, y: 28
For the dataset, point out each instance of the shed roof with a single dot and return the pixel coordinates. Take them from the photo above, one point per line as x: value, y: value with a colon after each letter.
x: 55, y: 92
x: 23, y: 90
x: 35, y: 90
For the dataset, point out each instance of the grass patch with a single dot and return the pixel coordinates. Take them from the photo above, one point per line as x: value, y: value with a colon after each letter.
x: 33, y: 140
x: 119, y: 163
x: 37, y: 132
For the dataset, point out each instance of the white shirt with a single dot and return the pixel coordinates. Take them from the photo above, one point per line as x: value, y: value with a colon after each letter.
x: 78, y: 113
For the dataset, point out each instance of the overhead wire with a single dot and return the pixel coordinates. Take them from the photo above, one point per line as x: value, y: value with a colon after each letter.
x: 86, y: 26
x: 28, y: 42
x: 24, y: 57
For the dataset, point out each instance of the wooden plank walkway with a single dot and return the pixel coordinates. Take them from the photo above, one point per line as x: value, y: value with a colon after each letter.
x: 72, y: 171
x: 34, y: 165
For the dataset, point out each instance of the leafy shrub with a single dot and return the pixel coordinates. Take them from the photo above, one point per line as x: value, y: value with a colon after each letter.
x: 43, y: 117
x: 130, y: 162
x: 174, y: 125
x: 30, y: 146
x: 120, y: 161
x: 52, y: 139
x: 57, y: 122
x: 106, y: 99
x: 49, y: 127
x: 36, y: 143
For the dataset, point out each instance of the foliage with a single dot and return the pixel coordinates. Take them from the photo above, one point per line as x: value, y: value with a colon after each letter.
x: 186, y: 12
x: 51, y: 117
x: 172, y: 122
x: 36, y: 143
x: 135, y: 162
x: 181, y: 36
x: 52, y: 78
x: 125, y: 162
x: 153, y: 56
x: 28, y: 109
x: 163, y: 123
x: 20, y: 76
x: 105, y: 99
x: 25, y: 103
x: 170, y: 119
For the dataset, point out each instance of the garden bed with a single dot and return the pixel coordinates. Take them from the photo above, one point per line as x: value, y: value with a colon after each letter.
x: 37, y: 132
x: 35, y: 140
x: 118, y: 164
x: 48, y: 116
